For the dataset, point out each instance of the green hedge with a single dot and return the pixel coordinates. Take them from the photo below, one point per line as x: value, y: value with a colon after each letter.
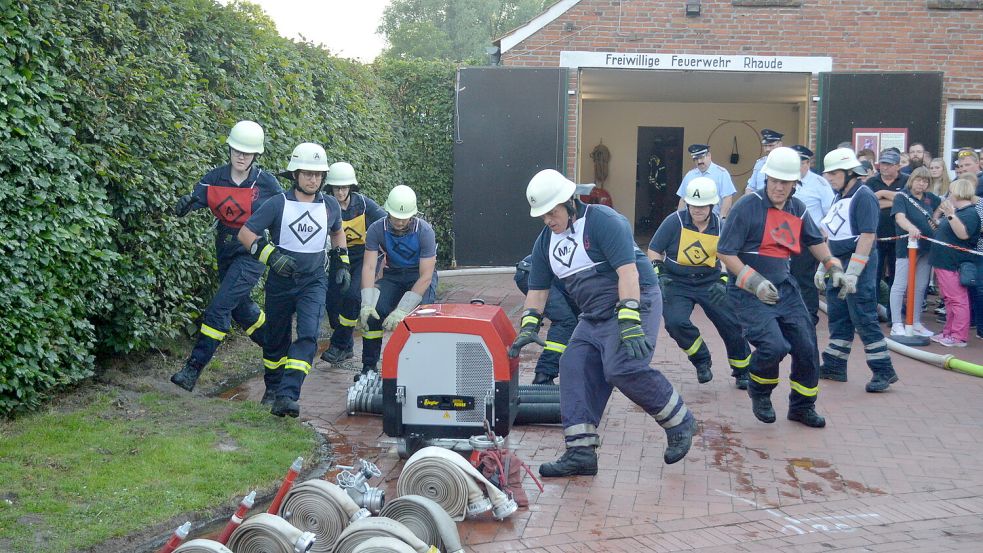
x: 112, y: 110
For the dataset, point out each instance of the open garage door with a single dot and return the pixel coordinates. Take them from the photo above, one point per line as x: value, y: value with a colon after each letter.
x: 510, y: 124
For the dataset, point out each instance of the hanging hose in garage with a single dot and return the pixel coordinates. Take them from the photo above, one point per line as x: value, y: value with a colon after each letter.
x: 321, y: 508
x: 427, y: 520
x: 266, y: 533
x: 202, y: 546
x: 378, y: 527
x: 383, y: 545
x: 448, y: 479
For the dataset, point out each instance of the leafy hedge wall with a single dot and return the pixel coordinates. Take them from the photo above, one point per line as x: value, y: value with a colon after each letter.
x: 112, y: 110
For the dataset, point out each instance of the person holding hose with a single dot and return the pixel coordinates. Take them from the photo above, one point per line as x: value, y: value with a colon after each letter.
x: 592, y: 251
x: 766, y: 228
x: 232, y: 192
x: 684, y: 254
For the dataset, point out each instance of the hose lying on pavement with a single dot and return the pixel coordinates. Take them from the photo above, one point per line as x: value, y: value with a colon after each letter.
x: 428, y: 520
x: 451, y: 481
x: 202, y: 546
x: 266, y: 533
x: 321, y: 508
x: 367, y: 528
x: 538, y: 413
x: 383, y: 545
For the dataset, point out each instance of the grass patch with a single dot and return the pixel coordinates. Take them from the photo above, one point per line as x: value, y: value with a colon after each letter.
x: 114, y: 461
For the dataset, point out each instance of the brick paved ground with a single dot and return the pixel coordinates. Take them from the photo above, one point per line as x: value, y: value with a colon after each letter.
x: 899, y: 471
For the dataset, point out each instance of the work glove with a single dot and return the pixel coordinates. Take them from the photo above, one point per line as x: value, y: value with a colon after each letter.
x: 407, y: 303
x: 632, y: 334
x: 664, y: 279
x: 270, y: 255
x: 528, y: 332
x: 718, y: 290
x: 343, y: 276
x: 751, y: 281
x: 829, y: 266
x: 183, y: 205
x: 848, y: 281
x: 370, y: 297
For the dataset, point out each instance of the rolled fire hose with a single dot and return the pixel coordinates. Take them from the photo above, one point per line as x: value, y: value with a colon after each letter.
x: 266, y: 533
x: 322, y: 508
x: 948, y: 361
x: 428, y: 520
x: 538, y: 413
x: 451, y: 481
x: 202, y: 546
x: 383, y: 545
x: 367, y: 528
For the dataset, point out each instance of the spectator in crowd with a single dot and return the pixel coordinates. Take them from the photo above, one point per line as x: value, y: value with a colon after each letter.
x: 867, y: 155
x: 913, y: 215
x: 939, y: 178
x: 960, y: 227
x: 968, y: 165
x: 885, y: 184
x: 977, y: 294
x: 917, y: 157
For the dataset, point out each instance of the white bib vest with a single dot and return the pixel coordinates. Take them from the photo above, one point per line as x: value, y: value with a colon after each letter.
x: 567, y: 254
x: 836, y: 223
x: 304, y: 226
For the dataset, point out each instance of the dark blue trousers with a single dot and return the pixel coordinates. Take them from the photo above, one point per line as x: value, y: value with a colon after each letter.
x: 563, y: 319
x: 393, y: 284
x: 232, y: 301
x: 343, y: 307
x: 775, y: 331
x: 681, y: 297
x: 288, y: 362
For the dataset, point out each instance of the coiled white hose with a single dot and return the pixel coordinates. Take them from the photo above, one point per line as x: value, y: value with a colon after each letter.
x: 362, y: 530
x: 383, y: 545
x: 321, y: 508
x: 266, y: 533
x: 428, y: 520
x: 202, y: 546
x: 447, y: 478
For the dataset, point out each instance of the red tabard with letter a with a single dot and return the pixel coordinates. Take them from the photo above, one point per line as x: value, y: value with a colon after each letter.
x: 231, y: 206
x: 781, y: 234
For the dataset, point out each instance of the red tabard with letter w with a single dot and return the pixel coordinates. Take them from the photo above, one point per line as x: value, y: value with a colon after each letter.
x: 781, y: 234
x: 231, y: 206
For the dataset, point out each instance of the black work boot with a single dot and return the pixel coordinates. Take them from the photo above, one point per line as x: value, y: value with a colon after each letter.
x: 678, y: 441
x: 807, y: 416
x: 268, y: 397
x: 740, y: 379
x: 283, y: 405
x: 703, y: 372
x: 335, y: 354
x: 543, y: 378
x: 761, y: 406
x: 187, y: 377
x: 829, y: 373
x: 576, y: 461
x: 881, y: 381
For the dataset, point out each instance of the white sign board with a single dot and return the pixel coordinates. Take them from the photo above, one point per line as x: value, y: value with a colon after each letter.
x: 697, y: 62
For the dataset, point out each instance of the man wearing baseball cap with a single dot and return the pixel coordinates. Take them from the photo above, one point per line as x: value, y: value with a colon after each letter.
x: 886, y: 183
x: 769, y: 141
x: 705, y: 167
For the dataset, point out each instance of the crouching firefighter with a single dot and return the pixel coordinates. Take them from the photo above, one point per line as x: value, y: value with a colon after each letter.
x: 851, y: 225
x: 562, y: 313
x: 299, y: 222
x: 684, y: 254
x: 765, y: 228
x: 232, y: 193
x: 358, y: 212
x: 408, y: 279
x: 592, y: 251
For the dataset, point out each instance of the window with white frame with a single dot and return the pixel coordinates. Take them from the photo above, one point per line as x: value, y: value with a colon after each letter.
x: 963, y: 128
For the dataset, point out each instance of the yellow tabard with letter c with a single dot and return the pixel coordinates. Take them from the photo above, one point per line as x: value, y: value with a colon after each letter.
x: 696, y: 249
x: 355, y: 230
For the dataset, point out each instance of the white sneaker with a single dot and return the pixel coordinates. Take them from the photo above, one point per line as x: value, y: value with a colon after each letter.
x: 920, y: 330
x: 897, y: 329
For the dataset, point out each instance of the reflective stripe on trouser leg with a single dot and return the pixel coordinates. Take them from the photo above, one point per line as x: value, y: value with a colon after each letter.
x: 836, y: 354
x: 800, y: 332
x: 309, y: 313
x: 212, y: 333
x: 878, y: 358
x: 273, y: 372
x: 258, y: 324
x: 673, y: 413
x: 678, y: 310
x: 232, y: 300
x: 694, y: 347
x: 583, y: 391
x: 841, y: 331
x: 555, y: 346
x: 583, y: 434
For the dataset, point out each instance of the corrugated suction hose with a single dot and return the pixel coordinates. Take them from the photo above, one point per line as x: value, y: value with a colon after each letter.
x: 321, y: 508
x: 447, y: 478
x: 367, y: 528
x: 202, y: 546
x: 383, y: 545
x: 428, y: 520
x: 266, y: 533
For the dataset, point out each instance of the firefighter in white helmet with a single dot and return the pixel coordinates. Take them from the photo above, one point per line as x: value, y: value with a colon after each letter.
x: 592, y: 251
x: 410, y: 248
x: 765, y: 228
x: 300, y: 222
x: 684, y: 254
x: 232, y: 192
